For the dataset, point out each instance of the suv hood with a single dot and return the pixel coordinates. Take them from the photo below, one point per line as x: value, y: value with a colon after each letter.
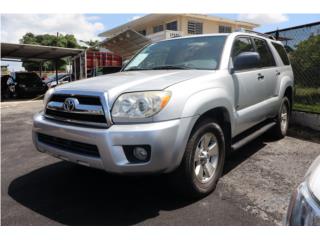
x: 131, y: 81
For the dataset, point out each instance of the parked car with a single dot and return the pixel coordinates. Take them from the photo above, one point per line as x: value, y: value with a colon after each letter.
x: 23, y: 84
x: 179, y: 106
x: 304, y: 207
x: 51, y: 81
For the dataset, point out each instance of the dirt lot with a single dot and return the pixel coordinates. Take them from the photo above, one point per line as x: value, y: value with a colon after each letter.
x: 40, y: 190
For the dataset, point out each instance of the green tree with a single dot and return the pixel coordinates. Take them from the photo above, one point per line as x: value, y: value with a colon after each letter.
x: 60, y: 40
x: 306, y: 61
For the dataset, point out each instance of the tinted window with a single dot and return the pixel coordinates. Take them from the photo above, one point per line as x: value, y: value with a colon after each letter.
x: 282, y: 52
x: 240, y: 45
x: 266, y: 56
x: 188, y: 53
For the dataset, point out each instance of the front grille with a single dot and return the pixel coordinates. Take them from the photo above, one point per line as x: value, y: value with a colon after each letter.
x: 89, y: 100
x: 69, y: 145
x: 76, y: 116
x: 88, y: 110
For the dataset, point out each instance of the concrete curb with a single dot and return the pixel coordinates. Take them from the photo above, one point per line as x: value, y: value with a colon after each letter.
x: 310, y: 120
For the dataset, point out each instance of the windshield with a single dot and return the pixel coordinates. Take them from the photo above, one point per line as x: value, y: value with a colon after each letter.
x: 185, y: 53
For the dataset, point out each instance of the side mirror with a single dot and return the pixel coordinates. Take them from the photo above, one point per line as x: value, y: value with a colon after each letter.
x: 246, y: 60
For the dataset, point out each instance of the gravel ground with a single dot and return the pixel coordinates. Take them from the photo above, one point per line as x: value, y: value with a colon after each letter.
x: 40, y: 190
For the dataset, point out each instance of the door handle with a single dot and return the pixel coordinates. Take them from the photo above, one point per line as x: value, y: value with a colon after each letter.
x: 278, y: 73
x: 260, y: 76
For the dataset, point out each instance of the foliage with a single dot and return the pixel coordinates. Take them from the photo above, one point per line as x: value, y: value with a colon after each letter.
x: 92, y: 44
x: 305, y: 62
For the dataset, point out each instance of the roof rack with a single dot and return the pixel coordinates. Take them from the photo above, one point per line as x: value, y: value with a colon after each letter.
x: 257, y: 33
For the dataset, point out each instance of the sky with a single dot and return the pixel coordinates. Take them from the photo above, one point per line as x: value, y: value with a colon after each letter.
x: 88, y: 26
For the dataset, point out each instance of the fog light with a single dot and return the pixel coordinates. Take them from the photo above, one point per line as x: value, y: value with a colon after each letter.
x: 140, y: 153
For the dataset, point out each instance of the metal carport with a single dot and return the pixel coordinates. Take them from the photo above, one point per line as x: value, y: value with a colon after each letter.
x: 39, y: 53
x: 126, y: 43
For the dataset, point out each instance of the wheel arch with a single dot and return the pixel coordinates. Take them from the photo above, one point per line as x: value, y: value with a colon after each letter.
x: 222, y: 117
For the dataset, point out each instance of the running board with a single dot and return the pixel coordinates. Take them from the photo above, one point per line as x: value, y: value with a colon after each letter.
x: 252, y: 136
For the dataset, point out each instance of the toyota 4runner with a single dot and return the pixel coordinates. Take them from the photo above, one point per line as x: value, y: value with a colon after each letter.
x: 178, y: 106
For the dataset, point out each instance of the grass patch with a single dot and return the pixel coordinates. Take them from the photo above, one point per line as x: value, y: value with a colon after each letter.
x: 315, y: 108
x: 307, y: 99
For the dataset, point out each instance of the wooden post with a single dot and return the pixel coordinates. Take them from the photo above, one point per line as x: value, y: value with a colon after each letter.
x: 85, y: 64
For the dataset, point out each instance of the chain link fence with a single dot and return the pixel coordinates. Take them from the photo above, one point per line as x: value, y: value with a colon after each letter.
x: 303, y: 47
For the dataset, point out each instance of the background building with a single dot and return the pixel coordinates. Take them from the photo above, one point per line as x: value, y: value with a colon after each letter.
x: 126, y: 39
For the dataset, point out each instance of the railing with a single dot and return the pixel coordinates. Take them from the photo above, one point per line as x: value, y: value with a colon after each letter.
x: 166, y: 34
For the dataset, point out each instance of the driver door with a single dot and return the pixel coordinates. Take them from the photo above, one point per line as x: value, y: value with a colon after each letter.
x: 248, y: 88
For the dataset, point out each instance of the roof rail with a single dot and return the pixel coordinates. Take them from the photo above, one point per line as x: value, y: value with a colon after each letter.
x: 257, y: 33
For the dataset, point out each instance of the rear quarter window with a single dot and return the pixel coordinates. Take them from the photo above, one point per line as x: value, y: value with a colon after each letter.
x: 282, y: 53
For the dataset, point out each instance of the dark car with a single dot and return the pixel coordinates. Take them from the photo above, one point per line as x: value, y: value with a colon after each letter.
x: 25, y: 84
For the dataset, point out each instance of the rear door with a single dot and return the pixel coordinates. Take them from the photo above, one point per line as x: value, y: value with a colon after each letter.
x: 268, y: 72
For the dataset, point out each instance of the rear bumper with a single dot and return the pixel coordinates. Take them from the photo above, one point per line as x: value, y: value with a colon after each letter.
x: 166, y: 139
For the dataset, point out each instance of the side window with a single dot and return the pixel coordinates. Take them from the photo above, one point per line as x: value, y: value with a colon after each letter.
x: 172, y: 26
x: 158, y: 28
x: 195, y: 27
x: 143, y: 32
x: 282, y: 53
x: 266, y: 56
x: 240, y: 45
x: 225, y: 29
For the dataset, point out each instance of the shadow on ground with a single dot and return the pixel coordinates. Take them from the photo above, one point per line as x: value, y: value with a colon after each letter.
x: 75, y: 195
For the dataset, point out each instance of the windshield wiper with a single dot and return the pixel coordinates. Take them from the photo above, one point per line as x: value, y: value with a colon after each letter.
x: 158, y: 68
x: 170, y: 67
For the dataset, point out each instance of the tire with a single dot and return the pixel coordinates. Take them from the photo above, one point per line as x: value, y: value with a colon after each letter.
x: 282, y: 120
x: 193, y: 177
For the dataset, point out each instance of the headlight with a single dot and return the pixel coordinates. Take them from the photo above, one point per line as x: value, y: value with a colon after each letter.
x: 303, y: 210
x: 47, y: 96
x: 139, y: 105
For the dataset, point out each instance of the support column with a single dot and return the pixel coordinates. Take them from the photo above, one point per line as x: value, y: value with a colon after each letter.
x: 56, y: 67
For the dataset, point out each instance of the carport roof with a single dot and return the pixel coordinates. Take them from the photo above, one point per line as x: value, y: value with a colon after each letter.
x: 36, y: 52
x: 126, y: 43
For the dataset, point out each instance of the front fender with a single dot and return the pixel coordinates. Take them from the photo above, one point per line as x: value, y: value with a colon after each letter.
x: 205, y: 100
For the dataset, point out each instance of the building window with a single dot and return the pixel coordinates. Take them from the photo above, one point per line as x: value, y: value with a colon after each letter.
x: 195, y: 27
x: 158, y: 28
x: 172, y: 26
x: 225, y: 29
x: 143, y: 32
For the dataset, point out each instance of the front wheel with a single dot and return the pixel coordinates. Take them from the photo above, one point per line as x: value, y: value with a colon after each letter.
x: 203, y: 160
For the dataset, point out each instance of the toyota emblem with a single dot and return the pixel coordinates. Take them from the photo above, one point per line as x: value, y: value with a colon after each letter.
x: 70, y: 104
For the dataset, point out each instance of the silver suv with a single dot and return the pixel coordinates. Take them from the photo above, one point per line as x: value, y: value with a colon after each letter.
x: 178, y: 106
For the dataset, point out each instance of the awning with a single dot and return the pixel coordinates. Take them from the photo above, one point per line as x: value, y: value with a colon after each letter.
x: 126, y: 43
x: 36, y: 52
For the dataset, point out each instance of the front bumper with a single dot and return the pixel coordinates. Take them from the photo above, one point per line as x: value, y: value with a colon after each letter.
x: 167, y: 141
